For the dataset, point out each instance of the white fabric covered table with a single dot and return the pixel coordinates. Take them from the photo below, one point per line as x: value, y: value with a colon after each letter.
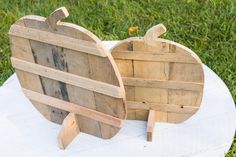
x: 209, y: 133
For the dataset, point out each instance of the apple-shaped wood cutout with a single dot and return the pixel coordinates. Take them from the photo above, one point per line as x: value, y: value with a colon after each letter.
x: 68, y: 75
x: 163, y: 79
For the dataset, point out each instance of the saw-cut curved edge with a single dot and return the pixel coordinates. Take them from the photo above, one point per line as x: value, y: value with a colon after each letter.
x: 70, y: 129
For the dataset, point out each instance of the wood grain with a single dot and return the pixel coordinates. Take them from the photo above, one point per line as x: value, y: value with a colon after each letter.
x: 56, y: 56
x: 160, y: 76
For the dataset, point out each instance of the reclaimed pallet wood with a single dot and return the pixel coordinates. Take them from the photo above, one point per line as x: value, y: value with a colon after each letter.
x: 68, y: 75
x: 163, y: 79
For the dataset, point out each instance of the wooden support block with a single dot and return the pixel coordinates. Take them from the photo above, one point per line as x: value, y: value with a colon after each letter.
x: 150, y: 125
x: 70, y: 129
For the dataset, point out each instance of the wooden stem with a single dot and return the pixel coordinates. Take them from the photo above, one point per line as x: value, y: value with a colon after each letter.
x: 56, y: 16
x: 153, y: 33
x: 70, y: 129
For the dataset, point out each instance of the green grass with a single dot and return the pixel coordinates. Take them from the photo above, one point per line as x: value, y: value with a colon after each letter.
x: 206, y: 27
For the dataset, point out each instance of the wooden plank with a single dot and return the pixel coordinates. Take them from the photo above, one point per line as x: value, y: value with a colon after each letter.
x: 141, y: 114
x: 145, y: 69
x: 70, y: 129
x: 161, y: 107
x: 178, y: 117
x: 21, y: 49
x: 159, y: 47
x: 73, y: 108
x: 155, y: 83
x: 161, y: 116
x: 126, y: 67
x: 150, y: 125
x: 157, y: 57
x: 185, y: 72
x: 69, y: 78
x: 53, y: 57
x: 57, y: 39
x: 189, y: 98
x: 145, y: 94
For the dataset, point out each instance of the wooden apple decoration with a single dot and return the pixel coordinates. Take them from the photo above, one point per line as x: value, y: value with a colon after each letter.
x: 68, y: 75
x: 163, y: 79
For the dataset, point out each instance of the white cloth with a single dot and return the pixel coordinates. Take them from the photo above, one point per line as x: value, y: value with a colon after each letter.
x: 209, y: 133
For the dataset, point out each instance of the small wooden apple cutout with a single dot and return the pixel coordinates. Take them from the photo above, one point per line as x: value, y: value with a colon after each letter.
x: 163, y: 79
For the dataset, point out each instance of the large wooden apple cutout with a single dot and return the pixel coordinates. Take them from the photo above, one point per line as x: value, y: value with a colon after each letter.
x: 163, y: 79
x: 68, y: 75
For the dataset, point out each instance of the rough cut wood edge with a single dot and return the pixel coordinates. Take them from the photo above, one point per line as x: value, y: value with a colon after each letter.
x: 69, y: 78
x: 161, y: 107
x: 150, y: 125
x: 70, y: 129
x: 154, y: 83
x: 73, y: 108
x: 56, y: 39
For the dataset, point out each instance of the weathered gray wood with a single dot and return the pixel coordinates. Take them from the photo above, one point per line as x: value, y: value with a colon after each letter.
x: 99, y: 67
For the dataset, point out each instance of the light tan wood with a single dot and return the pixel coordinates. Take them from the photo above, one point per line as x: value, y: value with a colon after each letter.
x: 155, y: 83
x: 159, y: 57
x: 73, y: 108
x: 159, y: 72
x: 70, y: 129
x: 150, y: 125
x: 159, y: 75
x: 65, y: 48
x: 161, y: 107
x: 66, y: 77
x: 153, y: 33
x: 56, y: 39
x: 21, y: 48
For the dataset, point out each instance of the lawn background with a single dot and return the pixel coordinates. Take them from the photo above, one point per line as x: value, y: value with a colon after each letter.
x: 206, y: 27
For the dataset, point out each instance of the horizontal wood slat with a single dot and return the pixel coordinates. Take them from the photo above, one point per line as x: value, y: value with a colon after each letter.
x: 57, y: 39
x: 69, y: 78
x: 153, y: 83
x: 73, y: 108
x: 160, y: 57
x: 161, y: 107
